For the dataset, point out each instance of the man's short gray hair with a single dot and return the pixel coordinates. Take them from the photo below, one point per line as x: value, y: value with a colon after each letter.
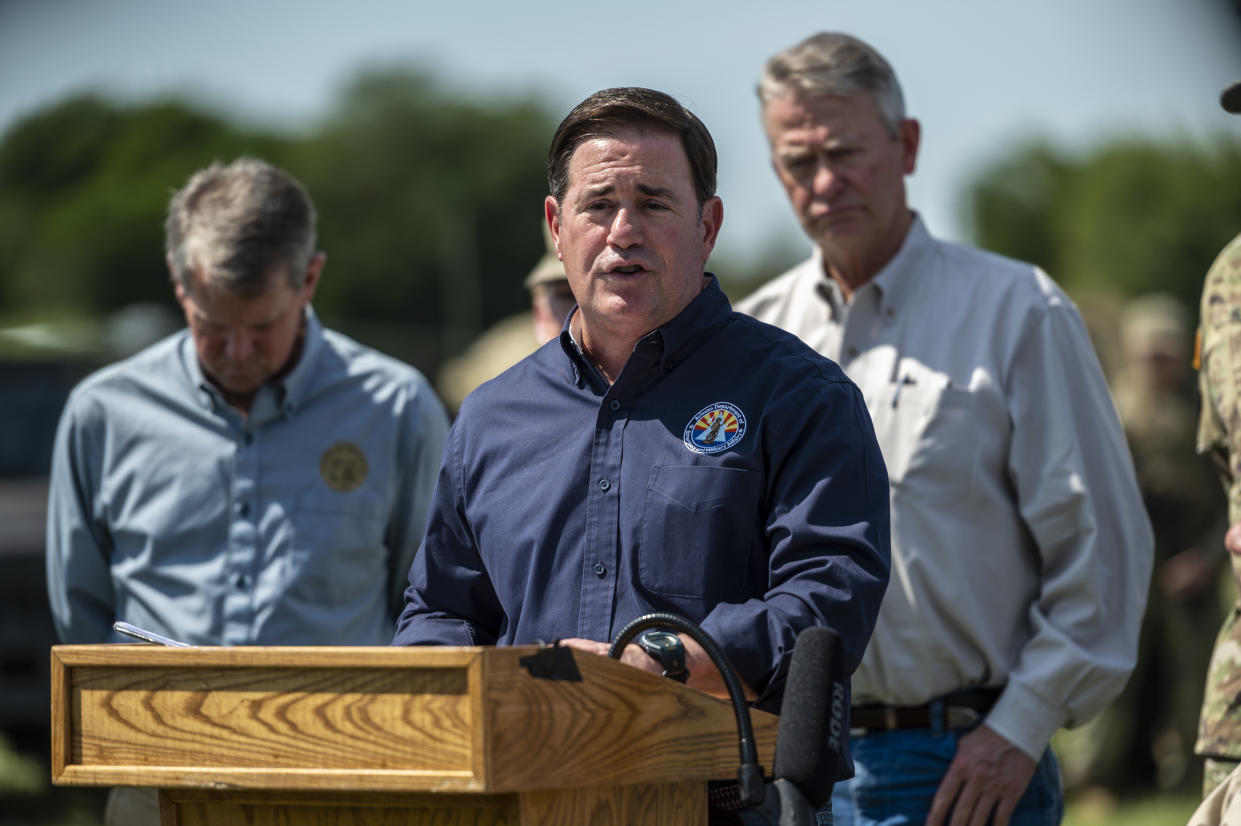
x: 831, y: 63
x: 237, y: 224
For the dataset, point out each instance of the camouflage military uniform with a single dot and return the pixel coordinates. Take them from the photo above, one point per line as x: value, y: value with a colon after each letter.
x: 1219, y: 435
x: 1144, y: 739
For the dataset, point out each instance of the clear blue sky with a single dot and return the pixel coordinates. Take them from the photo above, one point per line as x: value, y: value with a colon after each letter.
x: 981, y: 75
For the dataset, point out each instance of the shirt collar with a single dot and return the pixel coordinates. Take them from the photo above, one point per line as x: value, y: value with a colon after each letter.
x: 672, y: 342
x: 891, y: 285
x: 699, y: 320
x: 895, y: 280
x: 289, y: 390
x: 295, y: 385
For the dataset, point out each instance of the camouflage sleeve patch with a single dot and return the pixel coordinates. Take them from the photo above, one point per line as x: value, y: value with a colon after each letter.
x: 1219, y: 728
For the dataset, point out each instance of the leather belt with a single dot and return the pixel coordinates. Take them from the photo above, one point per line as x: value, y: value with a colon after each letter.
x: 957, y: 710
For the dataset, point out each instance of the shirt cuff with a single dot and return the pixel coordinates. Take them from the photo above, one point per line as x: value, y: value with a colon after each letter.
x: 1025, y: 720
x: 741, y: 634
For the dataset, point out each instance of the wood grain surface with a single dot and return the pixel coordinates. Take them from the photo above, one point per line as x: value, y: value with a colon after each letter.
x: 464, y: 720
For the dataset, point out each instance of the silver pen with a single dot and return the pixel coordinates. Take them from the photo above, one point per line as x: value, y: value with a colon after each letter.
x: 145, y: 635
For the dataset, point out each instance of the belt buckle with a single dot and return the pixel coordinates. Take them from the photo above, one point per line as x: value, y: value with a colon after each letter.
x: 890, y: 723
x: 960, y: 717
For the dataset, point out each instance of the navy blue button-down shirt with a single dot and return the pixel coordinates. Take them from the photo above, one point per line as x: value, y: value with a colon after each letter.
x: 730, y: 475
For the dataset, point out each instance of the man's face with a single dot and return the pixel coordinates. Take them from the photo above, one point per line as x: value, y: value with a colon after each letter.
x: 629, y: 232
x: 843, y: 172
x: 242, y: 341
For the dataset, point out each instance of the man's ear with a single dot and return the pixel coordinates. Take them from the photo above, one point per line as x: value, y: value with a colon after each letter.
x: 313, y: 270
x: 712, y: 220
x: 177, y: 289
x: 551, y: 212
x: 910, y: 137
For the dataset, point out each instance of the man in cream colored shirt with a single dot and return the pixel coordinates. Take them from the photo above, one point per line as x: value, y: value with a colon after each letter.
x: 1020, y: 548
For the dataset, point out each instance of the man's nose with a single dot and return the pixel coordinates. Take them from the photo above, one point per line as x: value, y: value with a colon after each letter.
x: 825, y: 181
x: 626, y: 230
x: 238, y: 344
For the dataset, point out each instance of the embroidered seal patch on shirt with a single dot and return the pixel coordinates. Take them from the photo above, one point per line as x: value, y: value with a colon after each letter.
x: 343, y: 467
x: 715, y: 428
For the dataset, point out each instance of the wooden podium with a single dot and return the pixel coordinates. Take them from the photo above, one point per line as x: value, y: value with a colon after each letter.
x: 284, y: 736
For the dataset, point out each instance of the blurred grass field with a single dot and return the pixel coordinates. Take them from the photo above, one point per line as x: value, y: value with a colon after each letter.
x: 1155, y: 810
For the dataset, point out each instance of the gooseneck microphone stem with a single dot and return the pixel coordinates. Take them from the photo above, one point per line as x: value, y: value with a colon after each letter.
x: 750, y: 773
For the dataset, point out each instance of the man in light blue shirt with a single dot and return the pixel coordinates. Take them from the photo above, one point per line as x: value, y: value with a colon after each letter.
x: 254, y: 479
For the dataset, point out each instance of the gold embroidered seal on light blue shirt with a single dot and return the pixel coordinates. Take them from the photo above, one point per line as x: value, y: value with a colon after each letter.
x: 343, y: 467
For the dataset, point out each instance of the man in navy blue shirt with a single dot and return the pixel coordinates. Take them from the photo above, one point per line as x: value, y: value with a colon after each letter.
x: 665, y: 453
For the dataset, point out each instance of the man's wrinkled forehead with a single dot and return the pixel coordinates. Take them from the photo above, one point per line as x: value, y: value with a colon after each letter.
x: 818, y: 120
x: 636, y: 136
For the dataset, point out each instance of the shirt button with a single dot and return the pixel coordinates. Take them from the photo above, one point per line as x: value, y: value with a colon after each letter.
x: 853, y: 351
x: 669, y: 364
x: 243, y: 509
x: 600, y: 570
x: 604, y: 485
x: 249, y: 439
x: 240, y: 581
x: 615, y: 405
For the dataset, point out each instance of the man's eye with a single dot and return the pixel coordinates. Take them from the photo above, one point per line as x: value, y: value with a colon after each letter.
x: 799, y: 167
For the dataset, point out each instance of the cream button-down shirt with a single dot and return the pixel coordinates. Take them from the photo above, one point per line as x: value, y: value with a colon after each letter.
x: 1021, y: 551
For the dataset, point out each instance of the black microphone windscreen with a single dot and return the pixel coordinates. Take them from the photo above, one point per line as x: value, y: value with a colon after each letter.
x: 811, y: 742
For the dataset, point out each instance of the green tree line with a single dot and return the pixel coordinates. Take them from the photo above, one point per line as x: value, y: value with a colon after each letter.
x: 429, y: 205
x: 429, y: 208
x: 1132, y: 216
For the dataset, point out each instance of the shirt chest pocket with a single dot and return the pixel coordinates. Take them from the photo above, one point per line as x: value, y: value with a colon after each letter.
x: 928, y: 432
x: 337, y: 555
x: 697, y: 531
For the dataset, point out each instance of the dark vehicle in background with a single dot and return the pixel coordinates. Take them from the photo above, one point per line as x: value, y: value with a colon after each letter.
x: 39, y: 366
x: 32, y: 393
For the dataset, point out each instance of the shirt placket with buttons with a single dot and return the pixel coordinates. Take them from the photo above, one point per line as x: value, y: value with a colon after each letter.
x: 861, y: 325
x: 602, y: 558
x: 244, y: 554
x: 241, y: 551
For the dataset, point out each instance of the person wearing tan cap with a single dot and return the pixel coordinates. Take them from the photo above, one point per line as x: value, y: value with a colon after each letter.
x: 551, y: 298
x: 511, y: 339
x: 1219, y: 436
x: 1144, y: 739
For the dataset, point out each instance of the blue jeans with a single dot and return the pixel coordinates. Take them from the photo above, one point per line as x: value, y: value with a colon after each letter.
x: 898, y: 772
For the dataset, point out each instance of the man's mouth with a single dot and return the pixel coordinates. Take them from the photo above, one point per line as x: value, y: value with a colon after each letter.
x: 628, y: 269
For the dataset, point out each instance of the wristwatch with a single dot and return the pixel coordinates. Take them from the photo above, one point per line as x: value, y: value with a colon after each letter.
x: 667, y: 649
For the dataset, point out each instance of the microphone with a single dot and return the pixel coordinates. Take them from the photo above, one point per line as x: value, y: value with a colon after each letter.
x: 749, y: 774
x: 812, y: 739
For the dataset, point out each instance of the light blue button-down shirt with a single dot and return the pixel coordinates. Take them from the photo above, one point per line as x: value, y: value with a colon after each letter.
x: 293, y: 525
